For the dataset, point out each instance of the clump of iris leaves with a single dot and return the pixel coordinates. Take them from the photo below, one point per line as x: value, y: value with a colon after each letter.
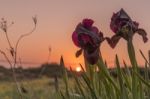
x: 96, y: 82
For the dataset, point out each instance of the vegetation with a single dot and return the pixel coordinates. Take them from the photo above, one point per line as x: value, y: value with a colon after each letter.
x: 96, y: 81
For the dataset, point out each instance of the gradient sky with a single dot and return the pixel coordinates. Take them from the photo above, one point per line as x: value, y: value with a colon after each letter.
x: 57, y: 20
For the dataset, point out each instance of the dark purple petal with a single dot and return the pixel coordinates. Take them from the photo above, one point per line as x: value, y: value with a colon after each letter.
x: 123, y: 15
x: 95, y: 30
x: 87, y: 23
x: 135, y: 26
x: 113, y: 41
x: 79, y: 52
x: 114, y: 28
x: 86, y: 39
x: 93, y: 57
x: 101, y: 37
x: 86, y: 34
x: 124, y: 27
x: 118, y: 20
x: 143, y: 33
x: 75, y: 39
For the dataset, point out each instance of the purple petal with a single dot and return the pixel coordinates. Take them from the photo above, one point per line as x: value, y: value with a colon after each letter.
x: 118, y: 20
x: 75, y: 39
x: 87, y: 23
x: 95, y: 29
x: 79, y: 52
x: 93, y: 57
x: 123, y: 15
x: 86, y: 39
x: 113, y: 40
x: 143, y: 33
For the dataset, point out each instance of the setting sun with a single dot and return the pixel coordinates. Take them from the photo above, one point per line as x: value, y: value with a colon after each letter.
x: 78, y: 69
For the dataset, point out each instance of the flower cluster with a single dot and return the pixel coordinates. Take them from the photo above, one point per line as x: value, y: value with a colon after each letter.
x: 4, y: 25
x: 88, y: 37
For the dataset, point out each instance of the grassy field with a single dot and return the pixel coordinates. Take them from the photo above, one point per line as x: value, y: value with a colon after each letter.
x: 36, y: 89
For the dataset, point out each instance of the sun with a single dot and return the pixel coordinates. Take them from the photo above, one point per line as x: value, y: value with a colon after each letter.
x: 78, y: 69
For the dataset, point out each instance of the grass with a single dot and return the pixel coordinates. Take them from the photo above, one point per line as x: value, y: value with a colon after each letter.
x: 90, y: 85
x: 100, y: 84
x: 36, y: 89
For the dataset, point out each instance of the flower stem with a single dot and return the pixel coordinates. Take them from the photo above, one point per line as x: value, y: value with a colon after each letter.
x: 133, y: 61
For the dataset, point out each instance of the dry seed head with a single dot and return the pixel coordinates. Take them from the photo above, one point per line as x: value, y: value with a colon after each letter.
x: 34, y: 20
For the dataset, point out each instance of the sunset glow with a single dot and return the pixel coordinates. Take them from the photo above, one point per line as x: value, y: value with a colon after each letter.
x: 57, y: 20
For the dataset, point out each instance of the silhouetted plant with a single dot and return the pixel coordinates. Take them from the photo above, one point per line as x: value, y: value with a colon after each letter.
x: 13, y: 49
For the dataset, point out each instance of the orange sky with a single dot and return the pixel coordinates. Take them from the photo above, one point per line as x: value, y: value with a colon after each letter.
x: 57, y: 20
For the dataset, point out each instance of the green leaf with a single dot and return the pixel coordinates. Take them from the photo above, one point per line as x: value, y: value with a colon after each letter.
x: 65, y: 76
x: 123, y: 94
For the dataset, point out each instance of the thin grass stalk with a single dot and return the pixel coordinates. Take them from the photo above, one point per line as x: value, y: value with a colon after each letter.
x: 79, y: 85
x: 65, y: 77
x: 87, y: 81
x: 105, y: 71
x: 93, y: 74
x: 144, y: 81
x: 147, y: 69
x: 141, y: 91
x: 13, y: 53
x: 128, y: 72
x: 127, y: 77
x: 14, y: 75
x: 18, y: 41
x: 101, y: 88
x: 62, y: 96
x: 107, y: 88
x: 12, y: 67
x: 123, y: 90
x: 149, y: 58
x: 148, y: 90
x: 148, y: 62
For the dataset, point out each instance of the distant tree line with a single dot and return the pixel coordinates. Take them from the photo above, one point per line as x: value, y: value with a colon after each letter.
x: 49, y: 70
